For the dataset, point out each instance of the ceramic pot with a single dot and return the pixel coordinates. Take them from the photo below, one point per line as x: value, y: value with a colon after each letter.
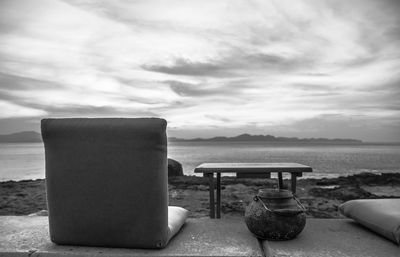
x: 275, y: 214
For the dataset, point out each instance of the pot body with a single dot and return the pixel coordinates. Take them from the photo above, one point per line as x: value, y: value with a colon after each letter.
x: 275, y: 214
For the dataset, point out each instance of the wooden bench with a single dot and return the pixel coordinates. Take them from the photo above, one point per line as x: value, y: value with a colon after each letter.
x: 208, y: 170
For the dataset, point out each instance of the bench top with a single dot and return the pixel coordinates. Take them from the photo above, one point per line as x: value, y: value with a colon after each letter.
x: 251, y: 167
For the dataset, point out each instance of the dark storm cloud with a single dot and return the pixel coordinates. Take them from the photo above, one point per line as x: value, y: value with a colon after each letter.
x: 276, y: 62
x: 227, y: 90
x: 189, y: 68
x: 236, y: 62
x: 186, y: 89
x: 194, y: 90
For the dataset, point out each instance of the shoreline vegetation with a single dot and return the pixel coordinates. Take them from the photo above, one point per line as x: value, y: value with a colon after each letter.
x: 321, y: 197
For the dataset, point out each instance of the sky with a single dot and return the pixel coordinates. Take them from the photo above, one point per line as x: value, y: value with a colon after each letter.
x: 210, y: 68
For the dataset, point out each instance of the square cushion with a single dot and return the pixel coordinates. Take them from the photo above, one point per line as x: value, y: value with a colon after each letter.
x: 176, y: 218
x: 106, y: 182
x: 379, y: 215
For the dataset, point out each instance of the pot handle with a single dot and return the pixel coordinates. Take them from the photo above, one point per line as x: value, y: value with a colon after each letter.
x: 299, y: 204
x: 302, y: 208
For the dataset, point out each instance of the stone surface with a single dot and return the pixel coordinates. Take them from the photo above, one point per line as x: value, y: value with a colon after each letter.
x: 333, y: 237
x: 174, y: 168
x: 28, y: 236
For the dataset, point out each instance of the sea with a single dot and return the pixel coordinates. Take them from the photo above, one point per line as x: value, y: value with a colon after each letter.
x: 23, y: 161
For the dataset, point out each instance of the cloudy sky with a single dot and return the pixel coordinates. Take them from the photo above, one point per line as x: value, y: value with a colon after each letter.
x: 287, y: 68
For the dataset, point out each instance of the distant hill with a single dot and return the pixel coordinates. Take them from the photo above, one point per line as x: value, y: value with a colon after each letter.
x: 32, y: 136
x: 20, y: 137
x: 268, y: 138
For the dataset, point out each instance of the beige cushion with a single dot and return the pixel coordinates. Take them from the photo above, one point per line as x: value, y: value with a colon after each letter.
x: 176, y: 218
x: 379, y: 215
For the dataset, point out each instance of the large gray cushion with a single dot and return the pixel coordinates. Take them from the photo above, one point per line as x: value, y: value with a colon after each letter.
x: 107, y: 182
x: 379, y: 215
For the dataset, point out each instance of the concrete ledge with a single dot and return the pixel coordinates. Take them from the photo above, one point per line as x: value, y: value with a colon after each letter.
x: 336, y: 238
x: 28, y: 236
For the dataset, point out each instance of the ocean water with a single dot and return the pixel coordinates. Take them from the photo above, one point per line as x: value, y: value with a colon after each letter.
x: 26, y: 160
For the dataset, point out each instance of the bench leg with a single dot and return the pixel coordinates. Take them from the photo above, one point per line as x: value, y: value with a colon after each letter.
x: 293, y: 181
x: 212, y: 203
x: 280, y: 180
x: 218, y: 195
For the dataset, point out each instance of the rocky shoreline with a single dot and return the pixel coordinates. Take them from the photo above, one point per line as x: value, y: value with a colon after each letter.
x: 321, y: 197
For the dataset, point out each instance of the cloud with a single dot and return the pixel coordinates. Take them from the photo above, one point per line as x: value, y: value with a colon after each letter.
x: 186, y: 89
x: 12, y: 110
x: 13, y: 82
x: 233, y: 66
x: 93, y: 111
x: 186, y: 67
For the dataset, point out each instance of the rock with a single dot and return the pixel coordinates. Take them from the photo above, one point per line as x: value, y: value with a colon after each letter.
x: 174, y: 168
x: 341, y: 193
x: 39, y: 213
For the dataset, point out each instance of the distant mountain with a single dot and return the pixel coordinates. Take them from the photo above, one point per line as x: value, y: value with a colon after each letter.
x: 32, y: 136
x: 25, y: 136
x: 268, y: 138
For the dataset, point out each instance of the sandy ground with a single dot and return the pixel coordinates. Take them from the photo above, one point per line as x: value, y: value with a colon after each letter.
x: 321, y: 197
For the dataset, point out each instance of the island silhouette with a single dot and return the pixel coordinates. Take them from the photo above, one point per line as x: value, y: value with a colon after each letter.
x: 267, y: 138
x: 33, y: 136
